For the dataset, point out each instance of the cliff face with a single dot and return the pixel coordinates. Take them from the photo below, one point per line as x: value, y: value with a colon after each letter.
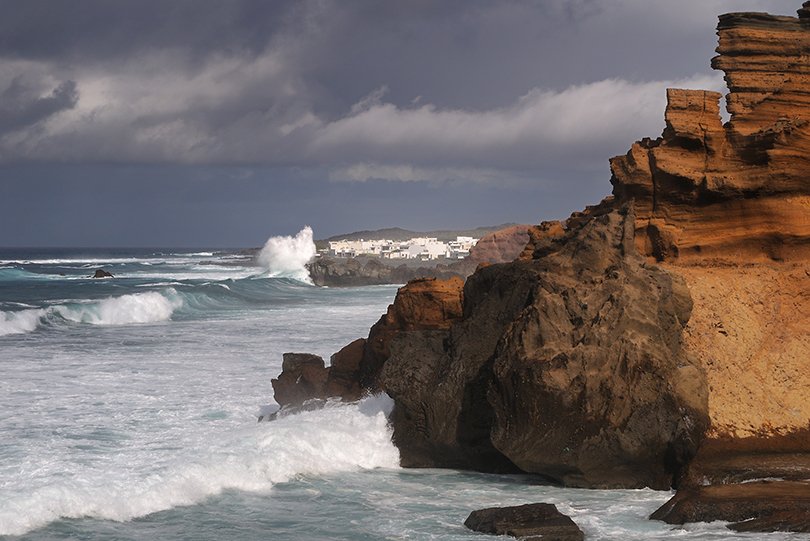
x: 570, y: 366
x: 739, y: 191
x: 736, y: 197
x: 670, y: 319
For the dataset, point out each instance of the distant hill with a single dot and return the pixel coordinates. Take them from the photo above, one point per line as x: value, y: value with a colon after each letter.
x: 397, y: 233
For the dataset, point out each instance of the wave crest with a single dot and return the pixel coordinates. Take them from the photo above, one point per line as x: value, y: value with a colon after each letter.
x: 339, y: 438
x: 147, y: 307
x: 286, y: 256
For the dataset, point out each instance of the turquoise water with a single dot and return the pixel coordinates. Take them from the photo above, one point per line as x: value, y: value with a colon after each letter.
x: 128, y: 410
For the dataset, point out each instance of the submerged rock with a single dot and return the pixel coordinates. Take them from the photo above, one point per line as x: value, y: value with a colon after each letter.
x: 540, y: 521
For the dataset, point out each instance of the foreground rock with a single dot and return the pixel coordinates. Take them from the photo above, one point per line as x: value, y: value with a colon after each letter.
x: 425, y: 304
x: 570, y: 366
x: 763, y: 506
x: 527, y: 522
x: 670, y: 318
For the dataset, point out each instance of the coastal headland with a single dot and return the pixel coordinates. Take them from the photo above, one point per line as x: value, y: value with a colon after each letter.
x: 659, y: 338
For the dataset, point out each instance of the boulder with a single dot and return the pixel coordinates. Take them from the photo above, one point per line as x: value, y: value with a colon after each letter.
x: 540, y: 521
x: 101, y: 273
x: 423, y: 304
x: 303, y: 377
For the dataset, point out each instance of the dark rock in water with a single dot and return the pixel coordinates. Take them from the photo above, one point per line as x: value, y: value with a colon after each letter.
x: 763, y: 506
x: 303, y: 377
x: 570, y: 366
x: 425, y: 304
x: 540, y: 521
x: 101, y: 273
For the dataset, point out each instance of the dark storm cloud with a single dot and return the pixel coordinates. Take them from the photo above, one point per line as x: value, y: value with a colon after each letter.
x: 21, y: 106
x: 402, y: 90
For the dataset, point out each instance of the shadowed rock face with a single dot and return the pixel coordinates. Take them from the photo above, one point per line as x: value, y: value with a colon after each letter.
x: 424, y: 304
x: 570, y: 366
x: 752, y: 507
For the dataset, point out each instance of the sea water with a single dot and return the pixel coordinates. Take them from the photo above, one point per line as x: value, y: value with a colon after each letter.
x: 128, y: 410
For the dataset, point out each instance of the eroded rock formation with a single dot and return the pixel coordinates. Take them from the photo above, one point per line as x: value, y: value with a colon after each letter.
x: 425, y: 304
x: 740, y: 191
x: 570, y: 366
x: 671, y: 318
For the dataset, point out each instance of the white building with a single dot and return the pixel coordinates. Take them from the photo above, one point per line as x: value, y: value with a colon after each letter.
x: 424, y: 248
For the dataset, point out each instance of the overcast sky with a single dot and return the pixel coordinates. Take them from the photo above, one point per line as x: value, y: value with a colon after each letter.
x: 220, y: 123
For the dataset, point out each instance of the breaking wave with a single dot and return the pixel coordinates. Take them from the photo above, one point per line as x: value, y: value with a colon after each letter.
x: 147, y: 307
x: 287, y: 256
x: 337, y: 438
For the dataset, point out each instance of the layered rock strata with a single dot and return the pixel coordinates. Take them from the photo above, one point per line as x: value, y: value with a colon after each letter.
x: 727, y: 208
x: 670, y: 319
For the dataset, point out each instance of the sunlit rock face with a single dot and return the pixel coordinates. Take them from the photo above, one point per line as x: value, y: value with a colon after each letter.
x: 739, y: 191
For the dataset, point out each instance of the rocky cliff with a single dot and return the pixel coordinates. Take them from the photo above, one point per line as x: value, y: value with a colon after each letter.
x: 660, y: 337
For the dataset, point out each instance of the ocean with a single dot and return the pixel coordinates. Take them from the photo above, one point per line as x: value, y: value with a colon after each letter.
x: 129, y: 405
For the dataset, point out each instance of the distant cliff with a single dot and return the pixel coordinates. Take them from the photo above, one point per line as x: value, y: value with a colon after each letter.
x: 495, y: 247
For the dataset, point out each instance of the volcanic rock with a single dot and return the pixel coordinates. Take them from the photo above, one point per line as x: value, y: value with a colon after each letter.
x: 424, y: 304
x: 101, y: 273
x: 570, y: 366
x: 753, y: 507
x: 739, y: 191
x: 528, y: 522
x: 500, y: 246
x: 302, y: 378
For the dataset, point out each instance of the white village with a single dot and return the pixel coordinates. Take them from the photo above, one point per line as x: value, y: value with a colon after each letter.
x: 421, y: 248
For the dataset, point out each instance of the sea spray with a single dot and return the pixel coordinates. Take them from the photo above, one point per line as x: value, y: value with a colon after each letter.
x: 287, y: 256
x: 148, y: 307
x: 19, y: 322
x: 338, y: 438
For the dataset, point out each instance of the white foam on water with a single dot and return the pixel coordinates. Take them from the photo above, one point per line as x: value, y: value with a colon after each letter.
x: 137, y: 482
x: 148, y: 307
x: 287, y: 256
x: 20, y: 322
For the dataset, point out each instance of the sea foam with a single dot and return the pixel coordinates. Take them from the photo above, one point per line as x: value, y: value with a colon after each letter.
x: 147, y: 307
x: 20, y: 322
x: 253, y: 458
x: 287, y: 256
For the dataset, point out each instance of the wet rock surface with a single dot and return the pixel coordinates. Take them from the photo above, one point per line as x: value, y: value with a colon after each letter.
x: 751, y: 507
x: 540, y: 521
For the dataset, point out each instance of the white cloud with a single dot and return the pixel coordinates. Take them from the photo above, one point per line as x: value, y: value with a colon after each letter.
x: 254, y: 110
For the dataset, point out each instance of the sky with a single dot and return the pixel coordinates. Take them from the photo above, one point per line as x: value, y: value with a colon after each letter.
x: 208, y: 123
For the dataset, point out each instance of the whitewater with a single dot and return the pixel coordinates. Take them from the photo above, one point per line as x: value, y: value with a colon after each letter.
x: 128, y: 410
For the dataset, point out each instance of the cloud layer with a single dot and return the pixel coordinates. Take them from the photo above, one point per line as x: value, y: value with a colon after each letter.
x: 465, y: 91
